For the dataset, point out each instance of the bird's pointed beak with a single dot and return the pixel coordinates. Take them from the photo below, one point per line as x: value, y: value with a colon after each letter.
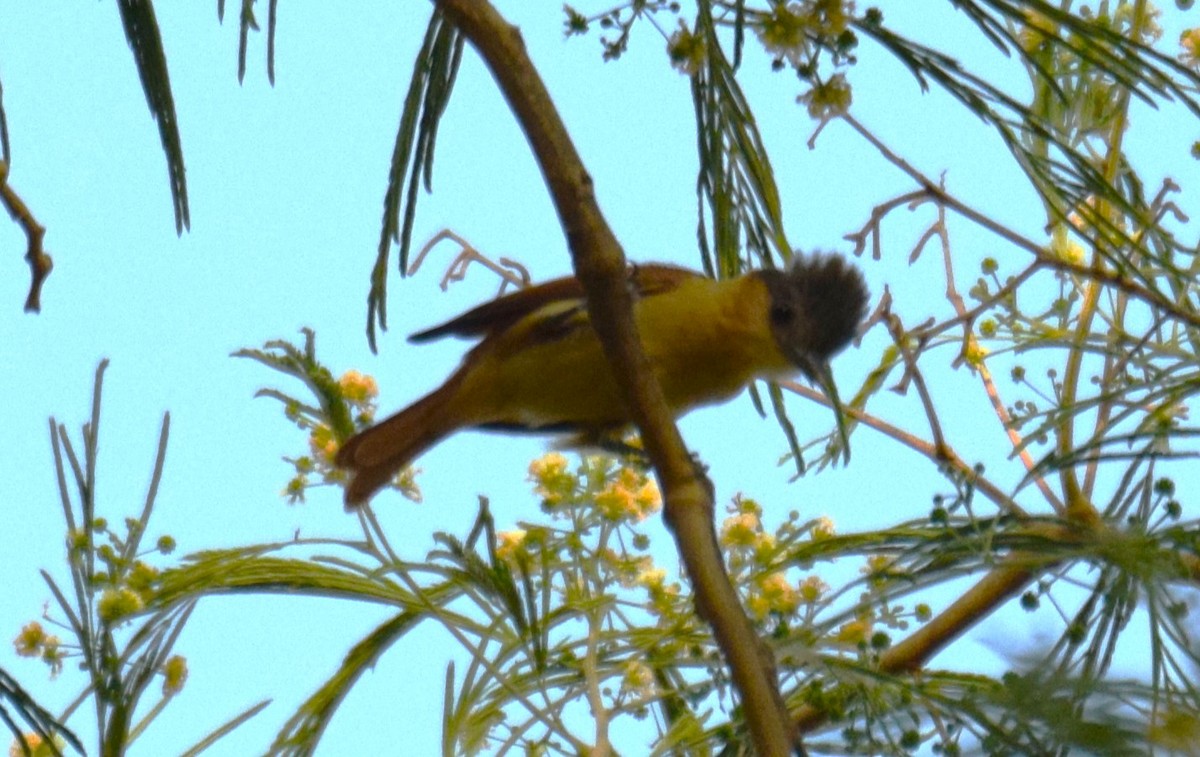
x: 822, y: 375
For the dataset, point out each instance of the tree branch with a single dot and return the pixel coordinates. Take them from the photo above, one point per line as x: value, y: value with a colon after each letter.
x: 600, y: 265
x: 40, y: 263
x: 994, y: 589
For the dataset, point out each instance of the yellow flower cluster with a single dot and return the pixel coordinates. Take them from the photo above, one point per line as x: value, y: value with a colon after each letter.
x: 856, y: 632
x: 829, y: 98
x: 638, y: 677
x: 822, y: 529
x: 406, y: 483
x: 510, y: 543
x: 37, y: 746
x: 686, y: 50
x: 116, y: 604
x: 1189, y: 41
x: 880, y: 569
x: 322, y: 443
x: 552, y: 481
x: 142, y: 580
x: 175, y: 673
x: 1063, y: 247
x: 782, y: 30
x: 630, y: 497
x: 29, y: 642
x: 974, y: 352
x: 33, y: 641
x: 812, y: 588
x: 742, y: 529
x: 663, y: 595
x: 358, y: 387
x: 775, y: 595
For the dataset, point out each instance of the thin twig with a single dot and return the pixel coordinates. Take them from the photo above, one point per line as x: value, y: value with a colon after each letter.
x: 978, y: 363
x: 40, y: 264
x: 1041, y: 255
x: 511, y: 272
x: 948, y: 455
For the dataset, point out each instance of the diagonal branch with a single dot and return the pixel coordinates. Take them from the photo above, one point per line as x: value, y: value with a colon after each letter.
x: 995, y: 588
x: 600, y: 265
x: 39, y: 262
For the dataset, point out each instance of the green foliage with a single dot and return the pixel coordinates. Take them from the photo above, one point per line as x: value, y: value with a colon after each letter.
x: 412, y: 159
x: 141, y: 32
x: 1096, y: 325
x: 110, y: 587
x: 46, y: 730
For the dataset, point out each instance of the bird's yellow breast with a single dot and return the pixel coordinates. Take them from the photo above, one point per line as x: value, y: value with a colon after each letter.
x: 705, y: 340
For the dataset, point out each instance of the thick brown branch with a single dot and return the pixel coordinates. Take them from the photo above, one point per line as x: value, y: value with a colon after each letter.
x: 600, y: 264
x: 40, y: 263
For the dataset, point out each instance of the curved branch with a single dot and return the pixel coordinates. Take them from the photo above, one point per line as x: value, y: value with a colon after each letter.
x: 40, y: 263
x: 600, y: 265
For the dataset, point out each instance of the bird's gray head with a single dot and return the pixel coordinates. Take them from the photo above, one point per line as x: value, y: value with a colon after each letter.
x: 816, y: 307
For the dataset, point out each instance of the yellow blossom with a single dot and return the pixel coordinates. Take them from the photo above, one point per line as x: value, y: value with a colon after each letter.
x: 811, y: 589
x: 778, y: 593
x: 1064, y: 247
x: 880, y: 568
x: 175, y: 672
x: 822, y: 528
x: 1189, y: 40
x: 662, y: 594
x: 294, y: 490
x: 758, y: 606
x: 37, y: 746
x: 33, y: 641
x: 740, y: 530
x: 616, y: 503
x: 648, y: 498
x: 630, y: 497
x: 552, y: 482
x: 53, y: 655
x: 834, y: 15
x: 115, y: 604
x: 765, y: 548
x: 828, y: 99
x: 323, y: 444
x: 406, y: 482
x: 686, y: 50
x: 142, y: 579
x: 974, y: 352
x: 1175, y: 729
x: 30, y: 640
x: 357, y: 387
x: 509, y: 542
x: 782, y: 30
x: 638, y: 676
x: 652, y: 578
x: 854, y: 633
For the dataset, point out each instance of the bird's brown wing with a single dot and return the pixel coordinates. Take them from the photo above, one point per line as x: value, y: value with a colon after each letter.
x: 501, y: 313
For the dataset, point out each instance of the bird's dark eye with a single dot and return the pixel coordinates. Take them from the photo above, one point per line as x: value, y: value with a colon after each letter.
x: 781, y: 314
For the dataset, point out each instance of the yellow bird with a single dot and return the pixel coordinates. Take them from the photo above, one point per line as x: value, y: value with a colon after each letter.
x: 539, y: 366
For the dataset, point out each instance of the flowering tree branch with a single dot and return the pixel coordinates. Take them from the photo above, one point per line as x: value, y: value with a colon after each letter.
x: 600, y: 265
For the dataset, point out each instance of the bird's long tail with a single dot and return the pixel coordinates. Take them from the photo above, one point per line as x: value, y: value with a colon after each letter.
x: 374, y: 456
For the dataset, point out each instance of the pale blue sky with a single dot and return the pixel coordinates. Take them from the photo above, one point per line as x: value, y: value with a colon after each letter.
x: 286, y: 188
